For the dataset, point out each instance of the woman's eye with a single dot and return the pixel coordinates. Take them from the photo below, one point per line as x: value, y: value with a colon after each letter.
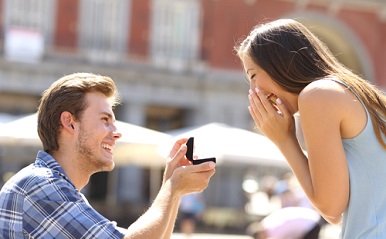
x: 253, y: 76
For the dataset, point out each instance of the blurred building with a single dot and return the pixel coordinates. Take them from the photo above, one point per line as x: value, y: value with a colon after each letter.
x: 173, y: 60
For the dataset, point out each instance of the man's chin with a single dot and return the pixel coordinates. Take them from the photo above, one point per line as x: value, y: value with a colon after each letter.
x: 108, y: 166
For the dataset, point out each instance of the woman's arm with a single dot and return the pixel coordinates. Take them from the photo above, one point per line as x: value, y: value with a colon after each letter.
x: 324, y: 174
x: 322, y: 112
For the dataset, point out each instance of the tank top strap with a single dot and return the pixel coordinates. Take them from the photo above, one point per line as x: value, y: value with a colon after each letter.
x: 348, y: 87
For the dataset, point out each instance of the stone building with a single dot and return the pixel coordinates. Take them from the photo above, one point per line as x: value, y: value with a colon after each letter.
x: 173, y: 60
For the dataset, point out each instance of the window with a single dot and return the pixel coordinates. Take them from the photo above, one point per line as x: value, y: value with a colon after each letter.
x: 103, y: 29
x: 164, y: 118
x: 175, y: 28
x: 28, y: 28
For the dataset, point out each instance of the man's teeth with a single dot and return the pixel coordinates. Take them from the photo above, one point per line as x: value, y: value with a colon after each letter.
x: 106, y: 146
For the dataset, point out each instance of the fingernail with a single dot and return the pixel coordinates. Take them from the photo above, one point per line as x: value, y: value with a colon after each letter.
x: 257, y: 90
x: 278, y: 101
x: 250, y: 91
x: 212, y: 164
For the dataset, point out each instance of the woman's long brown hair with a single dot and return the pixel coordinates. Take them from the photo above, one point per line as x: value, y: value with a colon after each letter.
x: 294, y: 57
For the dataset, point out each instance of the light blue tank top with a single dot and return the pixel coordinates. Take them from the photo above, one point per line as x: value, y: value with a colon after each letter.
x: 365, y: 215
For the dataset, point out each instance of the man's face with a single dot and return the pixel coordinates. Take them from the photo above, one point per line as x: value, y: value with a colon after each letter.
x: 97, y: 135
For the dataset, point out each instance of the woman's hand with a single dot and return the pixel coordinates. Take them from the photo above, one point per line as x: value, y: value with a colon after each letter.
x: 275, y: 122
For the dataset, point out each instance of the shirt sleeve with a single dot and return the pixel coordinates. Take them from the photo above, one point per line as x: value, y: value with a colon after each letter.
x: 55, y: 209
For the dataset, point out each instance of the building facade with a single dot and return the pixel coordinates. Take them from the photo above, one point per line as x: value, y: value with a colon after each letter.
x: 173, y: 60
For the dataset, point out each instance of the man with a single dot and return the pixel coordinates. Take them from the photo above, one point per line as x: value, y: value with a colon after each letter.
x: 76, y: 127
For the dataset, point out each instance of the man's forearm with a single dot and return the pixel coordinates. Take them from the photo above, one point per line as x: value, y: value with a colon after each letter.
x: 172, y: 220
x: 158, y: 221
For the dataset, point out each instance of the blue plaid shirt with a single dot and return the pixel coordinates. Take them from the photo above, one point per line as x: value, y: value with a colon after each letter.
x: 41, y: 202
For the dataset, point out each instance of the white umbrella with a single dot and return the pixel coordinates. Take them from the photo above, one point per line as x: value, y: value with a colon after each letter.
x: 232, y: 145
x: 138, y: 145
x: 19, y: 141
x: 21, y: 132
x: 5, y: 118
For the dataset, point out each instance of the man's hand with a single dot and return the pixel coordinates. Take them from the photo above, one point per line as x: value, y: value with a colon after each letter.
x: 192, y: 178
x: 176, y: 158
x: 185, y: 177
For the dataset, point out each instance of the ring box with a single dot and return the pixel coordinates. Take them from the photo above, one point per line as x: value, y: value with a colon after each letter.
x: 189, y: 153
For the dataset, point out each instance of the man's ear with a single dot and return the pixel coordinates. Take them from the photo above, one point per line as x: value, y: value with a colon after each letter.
x: 67, y: 120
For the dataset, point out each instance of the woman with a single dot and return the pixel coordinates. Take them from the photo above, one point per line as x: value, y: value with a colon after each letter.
x: 342, y: 118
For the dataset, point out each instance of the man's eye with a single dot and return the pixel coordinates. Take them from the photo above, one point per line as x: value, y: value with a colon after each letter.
x: 105, y: 119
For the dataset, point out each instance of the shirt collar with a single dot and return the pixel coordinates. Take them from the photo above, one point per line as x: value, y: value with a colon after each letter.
x: 45, y: 159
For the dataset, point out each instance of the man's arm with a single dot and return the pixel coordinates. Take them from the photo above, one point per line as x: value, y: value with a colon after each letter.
x: 180, y: 178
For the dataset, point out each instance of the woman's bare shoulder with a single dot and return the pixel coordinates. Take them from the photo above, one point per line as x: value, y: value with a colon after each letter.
x: 336, y: 104
x: 323, y: 92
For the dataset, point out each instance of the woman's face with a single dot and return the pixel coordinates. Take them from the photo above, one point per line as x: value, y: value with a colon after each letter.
x: 258, y: 78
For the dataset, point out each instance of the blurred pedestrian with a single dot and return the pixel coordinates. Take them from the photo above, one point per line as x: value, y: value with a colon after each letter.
x: 287, y: 223
x: 290, y: 192
x: 191, y: 209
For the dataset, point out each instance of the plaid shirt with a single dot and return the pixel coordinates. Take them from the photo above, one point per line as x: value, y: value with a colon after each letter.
x: 41, y: 202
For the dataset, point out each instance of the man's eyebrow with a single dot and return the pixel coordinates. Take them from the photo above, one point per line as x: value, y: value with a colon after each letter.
x: 109, y: 115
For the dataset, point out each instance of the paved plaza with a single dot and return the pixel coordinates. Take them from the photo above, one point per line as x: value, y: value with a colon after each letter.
x: 328, y: 232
